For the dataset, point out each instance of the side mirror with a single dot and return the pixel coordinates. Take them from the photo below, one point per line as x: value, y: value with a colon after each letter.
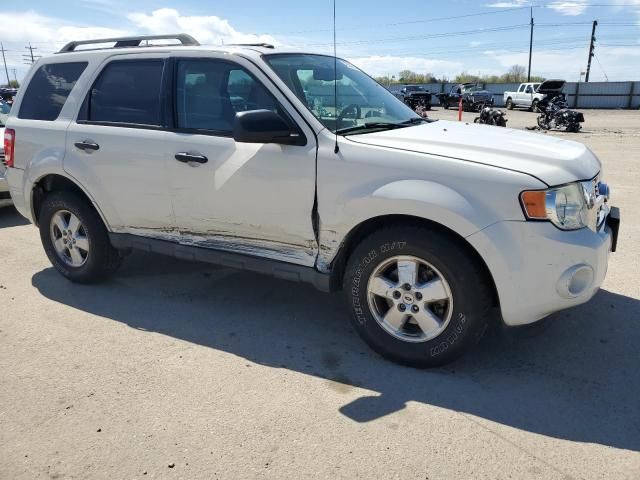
x: 264, y: 126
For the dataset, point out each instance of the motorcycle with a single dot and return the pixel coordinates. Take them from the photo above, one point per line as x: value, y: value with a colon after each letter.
x: 555, y: 113
x: 491, y: 116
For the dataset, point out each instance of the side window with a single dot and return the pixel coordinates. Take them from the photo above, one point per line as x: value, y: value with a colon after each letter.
x: 210, y: 92
x: 521, y: 89
x: 127, y: 91
x: 529, y: 89
x: 48, y: 90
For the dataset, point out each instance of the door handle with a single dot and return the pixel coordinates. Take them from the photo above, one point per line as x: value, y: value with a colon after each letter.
x: 87, y: 145
x: 186, y: 157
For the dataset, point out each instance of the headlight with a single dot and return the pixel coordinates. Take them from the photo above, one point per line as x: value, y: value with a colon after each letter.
x: 566, y: 207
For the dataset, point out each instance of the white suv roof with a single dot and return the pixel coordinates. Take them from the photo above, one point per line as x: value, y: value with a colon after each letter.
x: 134, y: 45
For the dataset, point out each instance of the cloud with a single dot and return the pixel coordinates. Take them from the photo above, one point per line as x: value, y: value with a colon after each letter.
x: 572, y: 8
x: 568, y: 65
x: 389, y: 64
x: 33, y: 27
x: 207, y: 29
x: 513, y: 4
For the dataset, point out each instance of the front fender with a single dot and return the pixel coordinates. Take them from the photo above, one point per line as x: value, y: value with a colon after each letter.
x: 412, y: 198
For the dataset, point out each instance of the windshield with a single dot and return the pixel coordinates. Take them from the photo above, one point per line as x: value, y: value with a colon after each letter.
x: 413, y: 88
x: 362, y: 103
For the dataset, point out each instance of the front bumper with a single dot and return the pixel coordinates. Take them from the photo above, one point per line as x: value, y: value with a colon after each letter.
x: 539, y: 269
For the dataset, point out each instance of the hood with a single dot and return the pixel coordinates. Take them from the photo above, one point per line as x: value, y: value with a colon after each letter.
x: 550, y: 159
x: 551, y: 86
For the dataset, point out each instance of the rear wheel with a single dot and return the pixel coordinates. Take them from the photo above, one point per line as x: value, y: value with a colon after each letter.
x: 509, y: 104
x: 75, y: 239
x: 417, y: 296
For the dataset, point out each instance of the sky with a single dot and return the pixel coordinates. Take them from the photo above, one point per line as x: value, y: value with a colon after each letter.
x: 439, y: 37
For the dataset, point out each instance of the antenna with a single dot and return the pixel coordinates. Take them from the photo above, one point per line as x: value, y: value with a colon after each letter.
x: 336, y: 149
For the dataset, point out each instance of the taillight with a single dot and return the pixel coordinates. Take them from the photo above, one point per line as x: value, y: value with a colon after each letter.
x: 9, y: 144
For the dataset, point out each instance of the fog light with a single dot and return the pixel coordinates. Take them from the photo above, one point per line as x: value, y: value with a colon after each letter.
x: 575, y: 281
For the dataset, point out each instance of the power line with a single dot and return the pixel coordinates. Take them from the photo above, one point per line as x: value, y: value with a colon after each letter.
x: 601, y: 68
x: 404, y: 22
x: 421, y: 37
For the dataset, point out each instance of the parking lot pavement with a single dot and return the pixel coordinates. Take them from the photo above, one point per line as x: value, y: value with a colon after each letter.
x: 179, y: 370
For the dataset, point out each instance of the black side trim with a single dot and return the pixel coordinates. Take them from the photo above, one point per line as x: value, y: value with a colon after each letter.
x: 285, y: 271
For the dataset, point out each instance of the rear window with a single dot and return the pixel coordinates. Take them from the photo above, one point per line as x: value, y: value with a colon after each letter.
x: 127, y: 92
x: 48, y: 90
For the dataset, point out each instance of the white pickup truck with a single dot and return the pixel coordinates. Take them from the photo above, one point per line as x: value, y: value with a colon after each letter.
x: 525, y: 96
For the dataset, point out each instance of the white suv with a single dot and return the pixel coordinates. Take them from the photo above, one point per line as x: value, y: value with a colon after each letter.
x: 303, y: 167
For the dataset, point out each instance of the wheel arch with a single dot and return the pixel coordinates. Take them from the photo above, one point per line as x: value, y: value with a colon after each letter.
x: 367, y: 227
x: 53, y: 182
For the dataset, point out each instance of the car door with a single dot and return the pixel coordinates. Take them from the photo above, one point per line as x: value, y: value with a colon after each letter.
x: 116, y: 148
x: 520, y: 95
x: 528, y: 97
x: 241, y: 197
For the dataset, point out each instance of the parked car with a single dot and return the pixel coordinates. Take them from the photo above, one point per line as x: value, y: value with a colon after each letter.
x: 7, y: 94
x: 426, y: 226
x: 415, y: 96
x: 5, y: 198
x: 474, y: 98
x: 526, y: 96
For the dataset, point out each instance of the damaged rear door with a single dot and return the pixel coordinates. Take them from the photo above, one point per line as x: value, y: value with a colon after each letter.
x: 248, y: 198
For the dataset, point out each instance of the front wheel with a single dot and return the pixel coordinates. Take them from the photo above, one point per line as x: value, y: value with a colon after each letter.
x: 534, y: 106
x: 417, y: 296
x: 75, y: 239
x: 542, y: 122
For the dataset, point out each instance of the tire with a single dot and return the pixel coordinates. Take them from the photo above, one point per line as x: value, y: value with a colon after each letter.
x: 462, y: 318
x: 477, y: 120
x: 541, y: 122
x: 534, y: 106
x: 445, y: 105
x: 99, y: 260
x: 509, y: 104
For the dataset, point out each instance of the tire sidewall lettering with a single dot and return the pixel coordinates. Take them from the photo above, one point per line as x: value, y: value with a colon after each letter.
x: 361, y: 311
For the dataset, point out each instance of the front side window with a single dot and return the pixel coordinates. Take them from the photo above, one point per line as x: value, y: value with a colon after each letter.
x: 128, y: 92
x: 48, y: 90
x: 209, y: 93
x: 360, y: 100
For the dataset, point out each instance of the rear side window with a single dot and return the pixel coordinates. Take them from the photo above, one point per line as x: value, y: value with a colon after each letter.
x: 48, y: 90
x: 127, y: 92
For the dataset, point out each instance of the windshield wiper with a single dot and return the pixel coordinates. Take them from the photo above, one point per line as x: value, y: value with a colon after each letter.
x: 371, y: 125
x: 413, y: 120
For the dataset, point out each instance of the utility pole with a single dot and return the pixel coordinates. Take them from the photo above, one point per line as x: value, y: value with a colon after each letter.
x: 15, y: 75
x: 6, y: 70
x: 29, y: 58
x: 592, y: 47
x: 530, y: 47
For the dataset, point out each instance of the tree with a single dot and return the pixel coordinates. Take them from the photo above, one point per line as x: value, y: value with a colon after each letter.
x: 14, y: 84
x: 515, y: 74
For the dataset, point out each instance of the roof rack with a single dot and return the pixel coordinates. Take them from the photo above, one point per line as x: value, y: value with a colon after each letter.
x: 122, y: 42
x: 263, y: 45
